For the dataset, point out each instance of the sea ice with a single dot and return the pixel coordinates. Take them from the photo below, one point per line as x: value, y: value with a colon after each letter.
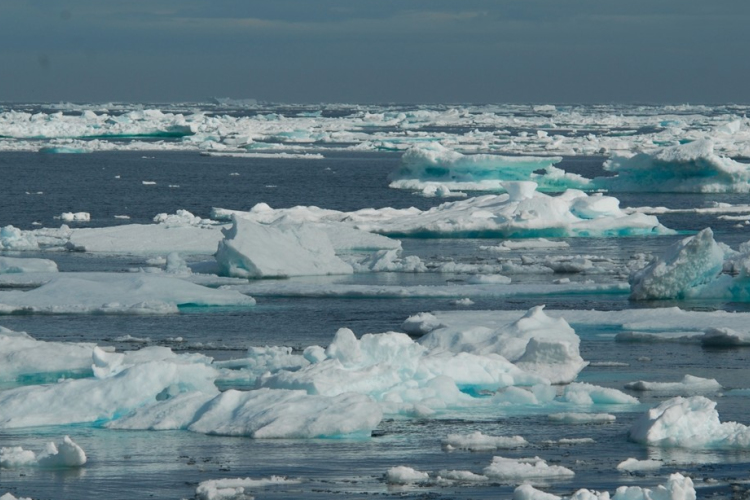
x: 236, y: 489
x: 64, y: 454
x: 130, y: 293
x: 535, y: 342
x: 678, y: 487
x: 10, y: 265
x: 688, y: 385
x: 405, y: 475
x: 689, y: 423
x: 582, y: 418
x: 253, y: 250
x: 75, y: 216
x: 685, y: 168
x: 633, y: 465
x: 477, y: 441
x: 518, y: 470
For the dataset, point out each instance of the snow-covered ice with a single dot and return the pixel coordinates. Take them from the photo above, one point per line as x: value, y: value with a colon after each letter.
x: 65, y: 453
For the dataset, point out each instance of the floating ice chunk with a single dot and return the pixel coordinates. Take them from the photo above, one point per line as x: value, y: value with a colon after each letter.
x: 724, y: 337
x: 252, y: 250
x: 146, y: 239
x: 688, y: 385
x: 633, y: 465
x: 176, y: 264
x: 235, y: 489
x: 391, y: 261
x: 460, y: 476
x: 75, y: 216
x: 182, y: 218
x: 463, y: 302
x: 517, y: 470
x: 553, y: 354
x: 477, y: 441
x: 582, y: 418
x: 686, y: 168
x: 489, y: 279
x: 405, y: 475
x: 24, y: 357
x: 10, y: 265
x: 689, y: 423
x: 530, y: 244
x: 588, y: 394
x: 118, y: 294
x: 433, y: 163
x: 421, y: 323
x: 91, y: 400
x: 267, y: 413
x: 438, y: 190
x: 678, y: 487
x: 12, y: 238
x: 682, y: 272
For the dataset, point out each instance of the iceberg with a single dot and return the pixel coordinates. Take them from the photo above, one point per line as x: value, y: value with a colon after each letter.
x: 253, y: 250
x: 689, y: 423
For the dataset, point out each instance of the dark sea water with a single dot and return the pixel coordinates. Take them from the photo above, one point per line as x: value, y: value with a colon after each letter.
x: 134, y: 465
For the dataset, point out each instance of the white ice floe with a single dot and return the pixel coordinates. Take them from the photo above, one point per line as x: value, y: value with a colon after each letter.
x: 693, y: 269
x: 75, y: 216
x: 405, y: 475
x: 253, y: 250
x: 130, y: 293
x: 236, y: 489
x: 688, y: 385
x: 12, y: 238
x: 518, y: 470
x: 686, y: 168
x: 582, y: 418
x: 523, y: 213
x: 689, y: 423
x: 528, y: 244
x: 11, y: 265
x: 678, y: 487
x: 634, y: 465
x: 477, y: 441
x: 63, y: 454
x: 535, y: 342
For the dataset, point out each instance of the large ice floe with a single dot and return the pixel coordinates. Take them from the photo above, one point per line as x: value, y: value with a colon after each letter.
x: 689, y: 423
x: 677, y: 487
x: 695, y: 268
x: 521, y: 213
x: 128, y: 293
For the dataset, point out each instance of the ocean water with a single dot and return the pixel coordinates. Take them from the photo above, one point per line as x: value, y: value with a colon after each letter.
x: 148, y: 464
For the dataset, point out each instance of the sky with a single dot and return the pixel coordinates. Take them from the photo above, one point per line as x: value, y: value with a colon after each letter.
x: 376, y: 51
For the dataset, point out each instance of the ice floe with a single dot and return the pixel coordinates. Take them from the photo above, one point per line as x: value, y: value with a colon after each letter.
x: 688, y: 385
x: 518, y: 470
x: 11, y: 265
x: 252, y: 250
x: 130, y: 293
x: 65, y: 453
x: 236, y: 489
x: 477, y: 441
x: 405, y: 475
x: 694, y: 269
x: 689, y: 423
x: 677, y: 487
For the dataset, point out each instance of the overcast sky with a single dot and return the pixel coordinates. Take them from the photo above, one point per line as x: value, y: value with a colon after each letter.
x: 477, y: 51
